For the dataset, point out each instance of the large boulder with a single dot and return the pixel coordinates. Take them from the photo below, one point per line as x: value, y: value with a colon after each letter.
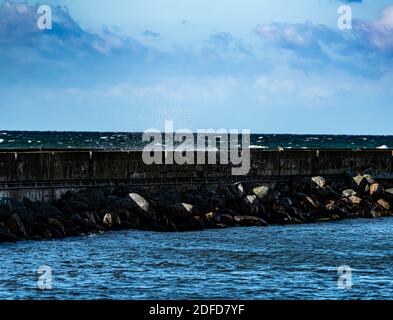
x: 122, y: 191
x: 235, y: 191
x: 41, y: 231
x: 248, y: 221
x: 227, y: 219
x: 379, y: 212
x: 313, y: 202
x: 355, y: 200
x: 349, y: 193
x: 49, y: 211
x: 93, y: 197
x: 56, y: 224
x: 249, y: 205
x: 142, y: 208
x: 370, y: 179
x: 280, y: 217
x: 384, y: 204
x: 128, y: 218
x: 5, y: 234
x: 262, y: 192
x: 73, y: 205
x: 376, y: 189
x: 388, y: 194
x: 360, y: 183
x: 213, y: 217
x: 111, y: 220
x: 16, y: 226
x: 182, y: 211
x: 319, y: 181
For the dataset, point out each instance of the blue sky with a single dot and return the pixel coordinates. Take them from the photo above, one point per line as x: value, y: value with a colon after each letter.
x: 129, y: 65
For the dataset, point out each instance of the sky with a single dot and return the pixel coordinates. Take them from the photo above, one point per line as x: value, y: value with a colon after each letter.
x: 130, y: 65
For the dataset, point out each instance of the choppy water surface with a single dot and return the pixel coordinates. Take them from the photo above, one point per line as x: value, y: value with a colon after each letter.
x: 277, y: 262
x: 133, y: 141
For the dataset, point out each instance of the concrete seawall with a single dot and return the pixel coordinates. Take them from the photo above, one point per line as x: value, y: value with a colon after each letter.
x: 46, y: 175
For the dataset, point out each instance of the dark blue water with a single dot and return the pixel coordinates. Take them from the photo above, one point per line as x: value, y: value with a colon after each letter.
x: 277, y: 262
x: 133, y: 141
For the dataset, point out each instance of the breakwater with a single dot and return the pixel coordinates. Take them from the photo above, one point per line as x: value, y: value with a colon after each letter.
x: 46, y: 175
x: 54, y: 194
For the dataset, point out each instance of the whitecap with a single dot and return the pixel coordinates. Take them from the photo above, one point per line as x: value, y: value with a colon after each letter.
x: 1, y: 140
x: 258, y: 147
x: 383, y: 147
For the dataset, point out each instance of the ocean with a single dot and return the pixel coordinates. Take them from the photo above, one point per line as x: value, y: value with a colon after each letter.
x: 278, y: 262
x: 133, y: 141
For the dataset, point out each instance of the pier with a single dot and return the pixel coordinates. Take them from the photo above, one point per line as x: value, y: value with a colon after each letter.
x: 44, y: 175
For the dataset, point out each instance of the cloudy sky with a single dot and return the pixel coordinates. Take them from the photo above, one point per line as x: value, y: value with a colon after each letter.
x: 128, y: 65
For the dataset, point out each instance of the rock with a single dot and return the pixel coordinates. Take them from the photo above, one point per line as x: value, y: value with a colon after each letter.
x: 249, y: 205
x: 191, y: 224
x: 182, y: 211
x: 319, y: 181
x: 388, y: 194
x: 349, y: 193
x: 262, y: 192
x: 235, y: 191
x: 16, y: 226
x: 355, y: 200
x: 72, y: 232
x: 248, y: 221
x: 281, y: 217
x: 111, y: 220
x: 73, y: 206
x: 92, y: 217
x: 122, y: 191
x: 376, y: 189
x: 6, y: 235
x: 227, y: 219
x: 107, y: 220
x: 49, y: 210
x: 360, y: 183
x: 41, y: 230
x: 378, y: 212
x: 93, y: 197
x: 334, y: 207
x: 128, y: 217
x: 4, y: 212
x: 76, y: 218
x: 57, y: 224
x: 142, y: 208
x: 238, y: 190
x: 213, y: 217
x: 286, y: 202
x: 384, y: 204
x: 227, y: 212
x: 312, y: 201
x: 139, y: 202
x: 369, y: 178
x: 55, y: 233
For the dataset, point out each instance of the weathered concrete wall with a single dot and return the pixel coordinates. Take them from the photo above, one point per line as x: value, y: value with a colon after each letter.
x: 46, y: 174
